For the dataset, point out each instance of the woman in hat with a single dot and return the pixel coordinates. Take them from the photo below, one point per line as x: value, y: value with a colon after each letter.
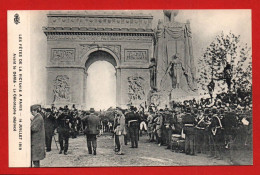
x: 37, y: 136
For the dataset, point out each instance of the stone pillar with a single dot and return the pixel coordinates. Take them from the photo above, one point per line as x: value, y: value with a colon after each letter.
x: 118, y: 86
x: 83, y: 106
x: 161, y: 61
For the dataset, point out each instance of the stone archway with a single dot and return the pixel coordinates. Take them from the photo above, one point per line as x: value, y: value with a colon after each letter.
x: 72, y: 38
x: 101, y: 54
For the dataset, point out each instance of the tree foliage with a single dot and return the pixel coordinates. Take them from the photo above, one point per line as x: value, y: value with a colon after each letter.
x: 225, y: 49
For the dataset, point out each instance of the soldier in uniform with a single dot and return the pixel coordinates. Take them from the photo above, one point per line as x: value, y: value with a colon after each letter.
x: 49, y: 125
x: 200, y: 132
x: 150, y: 128
x: 92, y: 130
x: 229, y: 123
x: 215, y: 135
x: 74, y: 123
x: 64, y: 127
x: 158, y: 128
x: 168, y: 125
x: 189, y: 122
x: 132, y: 120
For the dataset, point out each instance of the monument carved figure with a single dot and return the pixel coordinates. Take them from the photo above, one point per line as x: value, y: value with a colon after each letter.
x: 175, y: 55
x: 135, y: 88
x: 175, y: 71
x: 61, y: 88
x: 152, y: 68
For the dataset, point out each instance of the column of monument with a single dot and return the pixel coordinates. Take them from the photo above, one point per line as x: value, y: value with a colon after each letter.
x: 159, y: 54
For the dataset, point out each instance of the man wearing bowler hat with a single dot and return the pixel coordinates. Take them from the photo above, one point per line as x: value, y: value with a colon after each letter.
x: 92, y: 122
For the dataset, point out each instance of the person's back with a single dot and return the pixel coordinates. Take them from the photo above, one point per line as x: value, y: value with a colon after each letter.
x: 92, y: 130
x: 131, y: 116
x: 188, y: 119
x: 132, y: 120
x: 92, y: 124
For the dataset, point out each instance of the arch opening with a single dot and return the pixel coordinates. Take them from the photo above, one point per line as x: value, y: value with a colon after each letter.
x: 101, y: 81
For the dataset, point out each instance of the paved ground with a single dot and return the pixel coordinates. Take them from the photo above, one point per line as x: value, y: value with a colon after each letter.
x: 148, y: 154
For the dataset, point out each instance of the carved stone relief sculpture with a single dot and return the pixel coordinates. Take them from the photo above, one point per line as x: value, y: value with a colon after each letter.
x: 135, y: 88
x: 63, y: 55
x: 61, y: 88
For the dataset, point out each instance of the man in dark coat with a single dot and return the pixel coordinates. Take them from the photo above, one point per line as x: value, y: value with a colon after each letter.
x: 189, y: 121
x: 132, y: 120
x: 230, y: 123
x: 64, y: 127
x: 168, y: 125
x: 37, y: 136
x: 92, y: 130
x: 49, y: 125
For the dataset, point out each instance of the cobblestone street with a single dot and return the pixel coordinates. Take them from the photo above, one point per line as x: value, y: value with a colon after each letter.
x: 148, y: 154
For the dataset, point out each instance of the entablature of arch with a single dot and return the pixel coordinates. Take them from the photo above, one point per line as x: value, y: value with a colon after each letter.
x: 111, y: 36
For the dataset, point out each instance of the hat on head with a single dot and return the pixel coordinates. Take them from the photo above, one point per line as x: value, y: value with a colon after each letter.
x: 214, y: 110
x: 132, y: 108
x: 92, y: 110
x: 35, y: 107
x: 188, y: 109
x: 48, y: 110
x: 60, y: 109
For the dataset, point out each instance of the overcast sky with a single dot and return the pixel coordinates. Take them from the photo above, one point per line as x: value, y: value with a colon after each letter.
x: 205, y: 25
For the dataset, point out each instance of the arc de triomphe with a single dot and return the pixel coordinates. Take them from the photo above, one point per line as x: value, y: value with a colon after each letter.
x: 75, y: 41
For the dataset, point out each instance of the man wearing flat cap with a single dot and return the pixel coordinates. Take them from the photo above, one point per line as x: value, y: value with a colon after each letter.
x: 92, y: 123
x: 37, y: 136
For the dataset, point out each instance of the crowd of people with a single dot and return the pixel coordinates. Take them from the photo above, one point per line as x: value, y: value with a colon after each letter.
x: 209, y: 126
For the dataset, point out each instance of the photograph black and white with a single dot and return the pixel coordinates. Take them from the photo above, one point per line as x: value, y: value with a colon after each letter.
x: 113, y: 88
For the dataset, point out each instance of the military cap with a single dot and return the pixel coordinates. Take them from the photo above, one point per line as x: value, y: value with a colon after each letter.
x: 35, y: 107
